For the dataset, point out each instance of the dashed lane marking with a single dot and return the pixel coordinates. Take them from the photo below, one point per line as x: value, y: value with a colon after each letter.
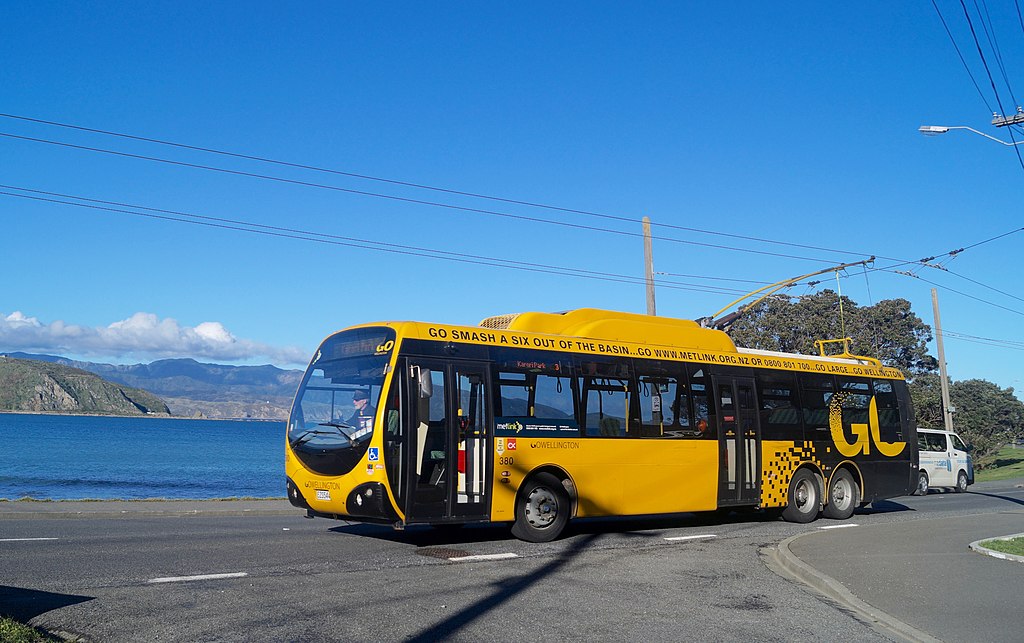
x: 19, y: 540
x: 852, y: 524
x: 187, y: 579
x: 466, y: 559
x: 698, y: 537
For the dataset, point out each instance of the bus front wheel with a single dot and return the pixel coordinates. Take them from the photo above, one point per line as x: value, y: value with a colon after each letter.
x: 804, y: 497
x: 542, y: 509
x: 843, y: 496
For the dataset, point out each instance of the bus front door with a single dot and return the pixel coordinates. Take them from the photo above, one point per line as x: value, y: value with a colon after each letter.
x: 450, y: 459
x: 739, y: 441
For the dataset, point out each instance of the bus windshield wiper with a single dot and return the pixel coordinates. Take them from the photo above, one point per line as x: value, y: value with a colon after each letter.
x: 309, y: 434
x: 342, y: 428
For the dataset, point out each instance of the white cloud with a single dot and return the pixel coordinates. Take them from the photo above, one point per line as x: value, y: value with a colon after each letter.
x: 141, y: 336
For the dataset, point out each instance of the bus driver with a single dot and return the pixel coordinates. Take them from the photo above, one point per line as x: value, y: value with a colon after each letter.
x: 363, y: 416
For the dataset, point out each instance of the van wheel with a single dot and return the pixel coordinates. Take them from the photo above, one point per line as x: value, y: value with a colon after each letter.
x: 922, y: 485
x: 804, y: 498
x: 961, y: 482
x: 843, y: 496
x: 542, y: 509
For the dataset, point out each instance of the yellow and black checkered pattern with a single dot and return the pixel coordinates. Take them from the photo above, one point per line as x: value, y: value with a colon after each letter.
x: 780, y: 460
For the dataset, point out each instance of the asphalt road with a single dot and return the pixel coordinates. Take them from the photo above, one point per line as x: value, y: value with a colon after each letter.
x: 128, y: 572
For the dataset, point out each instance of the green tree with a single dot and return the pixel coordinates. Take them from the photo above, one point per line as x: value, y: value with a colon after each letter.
x: 986, y: 416
x: 888, y: 330
x: 926, y: 395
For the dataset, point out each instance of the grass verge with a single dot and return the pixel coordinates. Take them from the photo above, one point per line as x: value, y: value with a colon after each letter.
x: 1013, y: 546
x: 1007, y: 463
x: 11, y: 631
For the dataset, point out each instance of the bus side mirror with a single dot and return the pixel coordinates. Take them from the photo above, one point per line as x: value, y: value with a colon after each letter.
x: 426, y: 384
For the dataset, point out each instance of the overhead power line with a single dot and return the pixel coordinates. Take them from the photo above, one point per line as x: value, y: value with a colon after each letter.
x: 422, y: 186
x: 967, y: 67
x: 449, y: 206
x: 339, y: 240
x: 920, y: 263
x: 985, y: 341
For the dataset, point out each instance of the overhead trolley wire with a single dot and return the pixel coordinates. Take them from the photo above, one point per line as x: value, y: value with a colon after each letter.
x: 954, y: 290
x: 422, y: 186
x: 367, y: 244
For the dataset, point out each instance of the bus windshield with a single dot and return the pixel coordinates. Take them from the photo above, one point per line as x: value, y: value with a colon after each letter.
x: 332, y: 419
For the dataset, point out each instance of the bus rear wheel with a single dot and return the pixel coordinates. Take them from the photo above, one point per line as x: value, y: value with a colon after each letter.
x: 843, y: 496
x: 804, y: 497
x: 542, y: 509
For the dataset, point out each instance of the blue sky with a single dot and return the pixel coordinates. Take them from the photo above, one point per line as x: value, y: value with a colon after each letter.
x: 790, y: 122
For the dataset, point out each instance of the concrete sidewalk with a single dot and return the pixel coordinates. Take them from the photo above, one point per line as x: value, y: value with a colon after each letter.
x: 121, y: 508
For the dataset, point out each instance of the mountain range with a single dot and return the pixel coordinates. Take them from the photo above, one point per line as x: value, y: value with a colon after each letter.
x: 195, y: 389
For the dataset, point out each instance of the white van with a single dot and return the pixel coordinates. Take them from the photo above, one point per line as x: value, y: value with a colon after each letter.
x: 945, y: 461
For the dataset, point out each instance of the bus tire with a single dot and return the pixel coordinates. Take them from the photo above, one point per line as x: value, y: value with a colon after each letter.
x: 542, y: 509
x: 961, y: 482
x: 843, y: 496
x: 804, y: 497
x: 922, y: 484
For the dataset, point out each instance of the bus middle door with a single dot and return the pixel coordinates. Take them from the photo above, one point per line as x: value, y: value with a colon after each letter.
x: 739, y: 440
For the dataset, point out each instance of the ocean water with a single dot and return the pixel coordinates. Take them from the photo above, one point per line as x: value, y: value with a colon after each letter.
x: 62, y: 457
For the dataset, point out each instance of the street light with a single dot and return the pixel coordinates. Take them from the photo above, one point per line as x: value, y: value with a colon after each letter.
x: 935, y: 130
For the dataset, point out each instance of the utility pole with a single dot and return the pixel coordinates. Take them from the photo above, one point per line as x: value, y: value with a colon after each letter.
x: 649, y: 266
x: 947, y: 411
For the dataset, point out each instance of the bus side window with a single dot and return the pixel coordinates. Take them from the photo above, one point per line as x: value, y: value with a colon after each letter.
x: 781, y: 416
x: 608, y: 399
x: 515, y: 396
x: 703, y: 410
x: 888, y: 411
x: 855, y: 400
x: 663, y: 400
x: 816, y: 393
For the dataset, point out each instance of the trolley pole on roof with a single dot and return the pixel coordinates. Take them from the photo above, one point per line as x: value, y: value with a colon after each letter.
x: 649, y: 265
x: 947, y: 410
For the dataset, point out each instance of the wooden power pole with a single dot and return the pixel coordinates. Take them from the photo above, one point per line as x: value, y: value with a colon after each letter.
x: 947, y: 411
x: 649, y: 266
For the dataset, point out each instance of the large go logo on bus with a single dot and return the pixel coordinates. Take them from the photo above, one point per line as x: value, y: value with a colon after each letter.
x: 863, y: 434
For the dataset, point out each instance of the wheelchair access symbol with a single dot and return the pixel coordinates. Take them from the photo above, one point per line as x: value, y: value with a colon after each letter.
x: 374, y: 454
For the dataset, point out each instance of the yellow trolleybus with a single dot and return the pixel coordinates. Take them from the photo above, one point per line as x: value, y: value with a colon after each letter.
x: 537, y: 418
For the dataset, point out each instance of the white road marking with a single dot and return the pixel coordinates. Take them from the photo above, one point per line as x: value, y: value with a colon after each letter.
x: 18, y: 540
x: 186, y: 579
x: 852, y: 524
x: 463, y: 559
x: 673, y: 538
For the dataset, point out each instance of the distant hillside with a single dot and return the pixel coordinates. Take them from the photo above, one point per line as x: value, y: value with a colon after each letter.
x: 33, y: 386
x: 193, y: 388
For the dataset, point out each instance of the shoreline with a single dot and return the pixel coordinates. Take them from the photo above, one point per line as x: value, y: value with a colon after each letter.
x: 155, y: 416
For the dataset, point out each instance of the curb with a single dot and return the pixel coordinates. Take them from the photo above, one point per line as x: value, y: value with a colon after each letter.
x: 977, y: 546
x: 782, y: 561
